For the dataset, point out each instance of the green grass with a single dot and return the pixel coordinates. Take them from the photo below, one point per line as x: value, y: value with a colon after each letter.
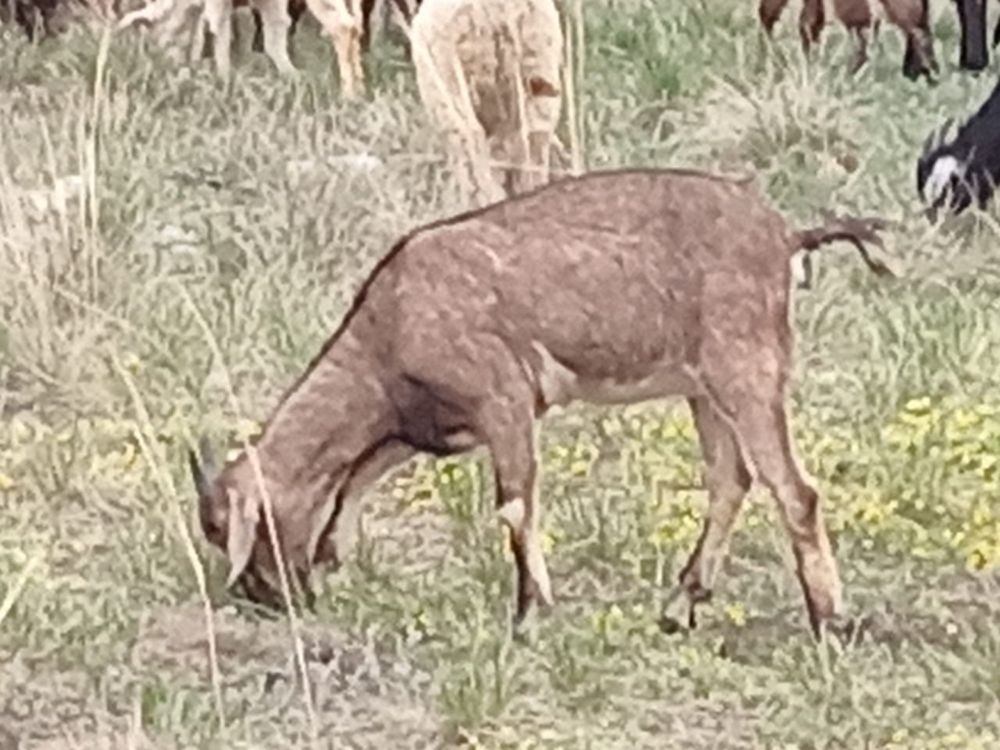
x: 235, y: 209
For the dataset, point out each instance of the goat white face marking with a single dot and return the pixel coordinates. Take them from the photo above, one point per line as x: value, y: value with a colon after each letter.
x: 945, y: 167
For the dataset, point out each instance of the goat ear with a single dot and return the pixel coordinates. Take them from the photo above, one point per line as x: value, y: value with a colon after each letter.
x: 539, y: 86
x: 203, y: 473
x: 243, y: 516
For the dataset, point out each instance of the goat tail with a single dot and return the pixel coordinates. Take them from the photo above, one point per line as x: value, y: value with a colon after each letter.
x: 849, y: 229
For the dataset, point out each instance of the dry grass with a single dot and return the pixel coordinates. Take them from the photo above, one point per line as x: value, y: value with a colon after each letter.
x: 146, y: 212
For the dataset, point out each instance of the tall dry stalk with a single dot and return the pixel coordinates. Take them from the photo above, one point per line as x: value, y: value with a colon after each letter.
x: 145, y: 435
x: 573, y: 71
x: 251, y: 453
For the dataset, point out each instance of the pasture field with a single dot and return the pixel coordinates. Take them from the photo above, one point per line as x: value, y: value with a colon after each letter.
x: 220, y: 236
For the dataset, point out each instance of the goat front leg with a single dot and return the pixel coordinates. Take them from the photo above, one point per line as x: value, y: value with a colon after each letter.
x: 512, y: 446
x: 728, y: 481
x: 275, y: 22
x: 219, y: 18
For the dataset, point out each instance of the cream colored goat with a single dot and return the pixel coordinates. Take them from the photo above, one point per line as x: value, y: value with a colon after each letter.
x: 488, y: 73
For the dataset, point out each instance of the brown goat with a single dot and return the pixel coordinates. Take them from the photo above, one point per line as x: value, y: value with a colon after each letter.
x: 612, y: 287
x: 910, y: 16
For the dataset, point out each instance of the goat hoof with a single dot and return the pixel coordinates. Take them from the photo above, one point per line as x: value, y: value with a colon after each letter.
x: 845, y: 630
x: 524, y: 628
x: 679, y: 608
x: 671, y: 625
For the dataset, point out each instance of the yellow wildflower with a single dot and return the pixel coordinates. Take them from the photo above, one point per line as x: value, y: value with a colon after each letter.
x: 737, y: 614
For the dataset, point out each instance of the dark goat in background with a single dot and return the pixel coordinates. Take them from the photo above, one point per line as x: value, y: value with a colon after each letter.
x: 39, y: 18
x: 964, y: 170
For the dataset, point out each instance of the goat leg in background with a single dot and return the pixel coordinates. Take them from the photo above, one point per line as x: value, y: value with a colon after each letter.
x: 367, y: 6
x: 812, y: 18
x: 258, y: 32
x: 218, y: 21
x: 275, y: 21
x: 769, y: 11
x: 919, y: 59
x: 912, y: 17
x: 340, y: 22
x: 972, y: 19
x: 996, y: 33
x: 856, y: 17
x: 295, y: 10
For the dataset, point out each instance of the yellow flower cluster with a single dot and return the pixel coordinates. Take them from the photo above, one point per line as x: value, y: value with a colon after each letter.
x: 929, y: 487
x: 576, y: 460
x: 957, y: 739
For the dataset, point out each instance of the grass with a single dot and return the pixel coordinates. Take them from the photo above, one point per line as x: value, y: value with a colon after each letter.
x: 247, y: 209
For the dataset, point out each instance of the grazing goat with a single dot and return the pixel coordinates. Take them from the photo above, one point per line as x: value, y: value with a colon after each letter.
x: 910, y: 16
x: 488, y: 73
x: 964, y: 170
x: 612, y: 287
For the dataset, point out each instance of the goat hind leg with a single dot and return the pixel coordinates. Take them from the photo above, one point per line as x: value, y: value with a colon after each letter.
x: 728, y: 481
x: 811, y: 21
x: 861, y: 52
x: 763, y: 432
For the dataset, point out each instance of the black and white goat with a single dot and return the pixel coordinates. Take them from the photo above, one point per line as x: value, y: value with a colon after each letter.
x: 964, y: 170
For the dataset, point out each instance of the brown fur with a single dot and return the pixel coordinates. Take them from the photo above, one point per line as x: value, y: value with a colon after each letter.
x: 613, y: 287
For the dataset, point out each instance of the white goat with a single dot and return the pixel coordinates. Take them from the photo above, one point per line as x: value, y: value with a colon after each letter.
x: 488, y: 72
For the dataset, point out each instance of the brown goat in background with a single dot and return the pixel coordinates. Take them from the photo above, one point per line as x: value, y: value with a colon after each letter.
x: 910, y: 16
